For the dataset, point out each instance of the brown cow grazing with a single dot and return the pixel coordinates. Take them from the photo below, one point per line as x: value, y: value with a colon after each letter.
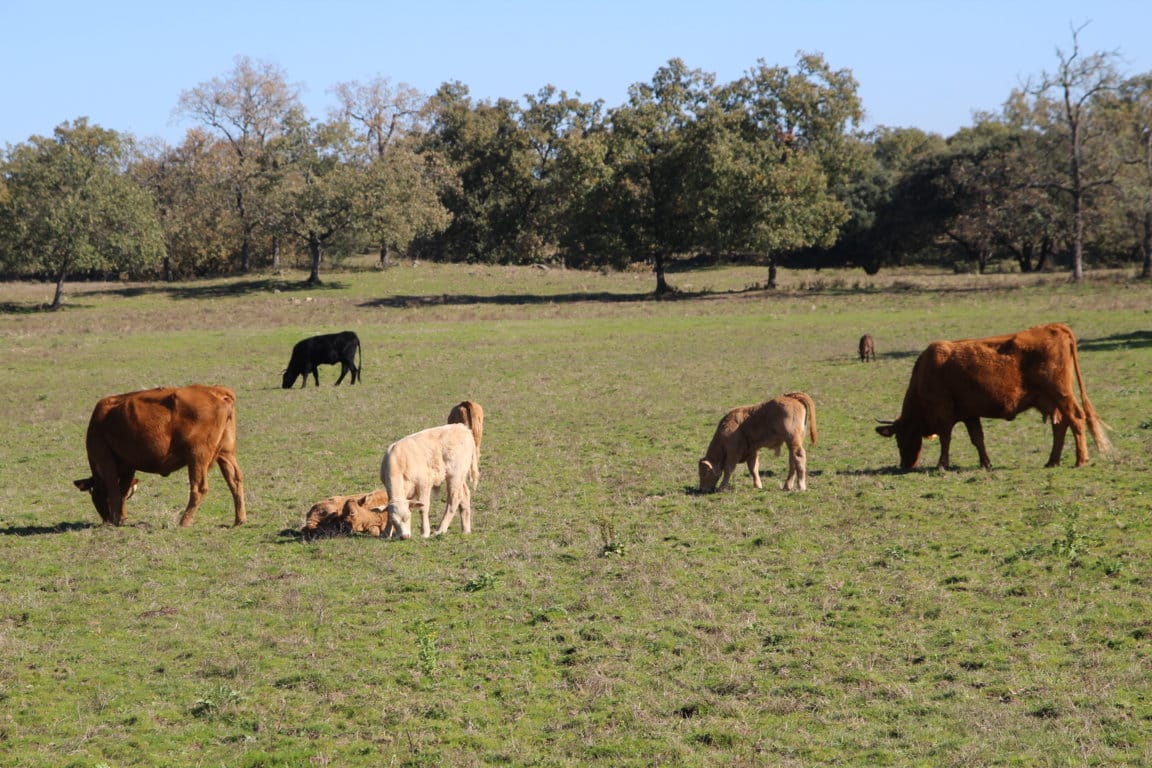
x: 415, y: 465
x: 159, y: 431
x: 867, y: 349
x: 345, y: 515
x: 745, y: 430
x: 996, y: 378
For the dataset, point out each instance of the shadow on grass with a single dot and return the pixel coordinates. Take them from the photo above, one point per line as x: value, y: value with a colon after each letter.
x: 525, y: 299
x: 218, y: 290
x: 179, y: 291
x: 1134, y: 340
x: 39, y: 530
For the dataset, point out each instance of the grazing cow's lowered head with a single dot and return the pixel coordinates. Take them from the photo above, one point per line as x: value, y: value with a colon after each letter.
x: 99, y: 496
x: 909, y: 441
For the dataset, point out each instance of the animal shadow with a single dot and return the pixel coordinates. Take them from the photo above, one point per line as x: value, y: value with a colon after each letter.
x: 40, y: 530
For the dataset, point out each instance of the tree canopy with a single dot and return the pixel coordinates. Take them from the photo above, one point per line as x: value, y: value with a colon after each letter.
x: 772, y: 168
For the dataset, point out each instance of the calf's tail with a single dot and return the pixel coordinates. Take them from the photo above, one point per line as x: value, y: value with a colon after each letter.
x: 811, y: 408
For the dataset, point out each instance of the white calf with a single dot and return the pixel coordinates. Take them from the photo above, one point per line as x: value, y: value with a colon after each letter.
x: 415, y: 465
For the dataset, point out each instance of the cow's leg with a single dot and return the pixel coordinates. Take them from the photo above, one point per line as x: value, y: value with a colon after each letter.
x: 976, y: 435
x: 235, y: 480
x: 197, y: 487
x: 119, y: 502
x: 945, y: 443
x: 754, y: 469
x: 343, y: 372
x: 1069, y: 414
x: 315, y: 374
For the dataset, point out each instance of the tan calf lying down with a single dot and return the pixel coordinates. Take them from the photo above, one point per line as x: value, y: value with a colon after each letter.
x: 344, y: 515
x: 745, y: 430
x: 446, y: 456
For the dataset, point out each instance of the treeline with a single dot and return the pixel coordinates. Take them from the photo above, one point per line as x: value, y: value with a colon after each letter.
x: 772, y: 168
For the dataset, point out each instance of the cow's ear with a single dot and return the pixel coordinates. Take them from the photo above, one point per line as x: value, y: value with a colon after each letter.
x: 85, y: 484
x: 886, y: 430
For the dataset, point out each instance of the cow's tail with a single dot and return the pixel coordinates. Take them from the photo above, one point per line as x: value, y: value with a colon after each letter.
x: 471, y: 415
x: 1095, y: 426
x: 811, y: 408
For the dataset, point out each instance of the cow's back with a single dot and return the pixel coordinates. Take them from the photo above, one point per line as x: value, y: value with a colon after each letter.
x: 155, y: 430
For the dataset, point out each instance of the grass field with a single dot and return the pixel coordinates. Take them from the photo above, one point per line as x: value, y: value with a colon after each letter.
x: 601, y: 612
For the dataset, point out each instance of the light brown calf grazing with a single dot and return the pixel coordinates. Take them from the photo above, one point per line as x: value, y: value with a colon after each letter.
x: 414, y: 466
x: 745, y: 430
x: 345, y: 515
x: 867, y: 348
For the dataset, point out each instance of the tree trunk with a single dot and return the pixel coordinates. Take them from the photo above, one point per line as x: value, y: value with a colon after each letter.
x: 1024, y: 257
x: 315, y: 249
x: 383, y: 255
x: 662, y: 287
x: 1146, y: 246
x: 982, y: 256
x: 771, y: 273
x: 275, y: 254
x: 58, y: 299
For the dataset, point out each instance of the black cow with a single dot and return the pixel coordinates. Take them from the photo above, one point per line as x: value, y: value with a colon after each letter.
x: 328, y: 349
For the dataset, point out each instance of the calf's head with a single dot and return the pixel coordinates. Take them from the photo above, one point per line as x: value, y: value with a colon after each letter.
x: 289, y: 378
x: 400, y: 516
x: 709, y: 476
x: 908, y: 440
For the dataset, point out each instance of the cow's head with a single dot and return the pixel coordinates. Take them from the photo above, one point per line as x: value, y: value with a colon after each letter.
x: 100, y: 497
x: 289, y: 379
x: 401, y: 517
x: 709, y: 476
x: 908, y: 440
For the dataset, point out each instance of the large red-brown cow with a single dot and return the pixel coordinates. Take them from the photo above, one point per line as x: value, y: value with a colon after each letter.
x: 997, y: 377
x: 159, y: 431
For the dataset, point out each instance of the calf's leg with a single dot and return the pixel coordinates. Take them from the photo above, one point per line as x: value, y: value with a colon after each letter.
x: 754, y: 469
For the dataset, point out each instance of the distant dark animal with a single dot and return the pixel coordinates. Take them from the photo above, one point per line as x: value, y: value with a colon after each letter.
x: 745, y: 430
x: 997, y: 377
x: 160, y: 431
x: 327, y: 349
x: 345, y: 515
x: 867, y: 349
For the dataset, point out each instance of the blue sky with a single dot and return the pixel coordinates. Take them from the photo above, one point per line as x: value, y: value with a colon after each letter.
x: 919, y: 64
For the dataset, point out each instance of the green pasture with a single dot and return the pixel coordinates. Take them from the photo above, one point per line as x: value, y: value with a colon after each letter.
x: 601, y: 612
